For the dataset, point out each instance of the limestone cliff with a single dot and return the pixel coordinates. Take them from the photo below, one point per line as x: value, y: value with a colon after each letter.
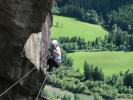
x: 24, y: 39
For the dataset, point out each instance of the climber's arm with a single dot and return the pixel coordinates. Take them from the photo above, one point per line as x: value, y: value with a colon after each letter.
x: 56, y: 51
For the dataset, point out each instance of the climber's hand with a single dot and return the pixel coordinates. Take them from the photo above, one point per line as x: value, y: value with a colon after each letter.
x: 50, y: 50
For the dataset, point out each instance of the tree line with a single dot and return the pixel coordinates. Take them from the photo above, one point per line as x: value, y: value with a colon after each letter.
x: 104, y: 12
x: 117, y: 40
x: 115, y: 15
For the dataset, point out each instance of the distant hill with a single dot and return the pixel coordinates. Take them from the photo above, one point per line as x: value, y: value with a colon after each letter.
x: 114, y: 15
x: 107, y: 12
x: 70, y: 27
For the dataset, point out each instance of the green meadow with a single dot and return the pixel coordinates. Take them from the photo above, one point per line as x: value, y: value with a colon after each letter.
x: 69, y: 27
x: 110, y: 62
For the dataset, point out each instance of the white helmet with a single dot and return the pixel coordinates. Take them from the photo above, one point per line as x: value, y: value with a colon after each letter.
x: 54, y: 42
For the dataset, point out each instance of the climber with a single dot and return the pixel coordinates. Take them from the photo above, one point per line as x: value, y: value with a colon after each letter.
x: 55, y: 55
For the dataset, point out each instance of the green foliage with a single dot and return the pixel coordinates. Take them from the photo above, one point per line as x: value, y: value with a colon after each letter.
x: 114, y: 41
x: 65, y: 78
x: 116, y: 16
x: 70, y: 47
x: 72, y: 44
x: 119, y: 40
x: 125, y: 90
x: 77, y: 97
x: 112, y: 11
x: 103, y: 89
x: 87, y: 71
x: 97, y: 74
x: 56, y: 10
x: 66, y: 97
x: 63, y: 56
x: 97, y: 97
x: 116, y: 80
x: 123, y: 17
x: 81, y: 43
x: 91, y: 16
x: 128, y: 79
x: 120, y: 61
x: 68, y: 62
x: 81, y: 87
x: 92, y: 73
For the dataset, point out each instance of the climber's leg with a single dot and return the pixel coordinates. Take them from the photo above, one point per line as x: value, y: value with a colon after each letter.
x: 56, y: 64
x: 52, y: 63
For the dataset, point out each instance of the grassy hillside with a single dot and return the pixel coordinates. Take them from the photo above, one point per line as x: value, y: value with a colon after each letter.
x: 110, y: 62
x: 56, y: 92
x: 64, y: 26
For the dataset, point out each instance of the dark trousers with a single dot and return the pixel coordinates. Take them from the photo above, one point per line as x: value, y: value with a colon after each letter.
x: 52, y: 63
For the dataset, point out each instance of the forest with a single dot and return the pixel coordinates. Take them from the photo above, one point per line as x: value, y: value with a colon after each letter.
x: 115, y: 16
x: 88, y: 64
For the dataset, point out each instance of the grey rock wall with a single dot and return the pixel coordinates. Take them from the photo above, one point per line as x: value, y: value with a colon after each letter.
x: 24, y: 39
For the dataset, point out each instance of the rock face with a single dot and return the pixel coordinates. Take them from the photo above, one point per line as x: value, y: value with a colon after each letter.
x: 24, y: 39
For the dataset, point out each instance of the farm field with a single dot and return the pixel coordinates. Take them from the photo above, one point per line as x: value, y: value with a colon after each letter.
x: 69, y: 27
x: 110, y: 62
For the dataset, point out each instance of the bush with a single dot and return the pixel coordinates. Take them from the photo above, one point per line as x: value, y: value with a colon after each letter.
x: 92, y: 73
x: 125, y: 90
x: 106, y: 91
x: 87, y: 71
x: 81, y: 87
x: 115, y: 80
x: 77, y: 97
x: 91, y: 84
x: 66, y: 97
x: 102, y: 89
x: 91, y: 16
x: 97, y: 97
x: 68, y: 62
x: 70, y: 47
x: 128, y: 79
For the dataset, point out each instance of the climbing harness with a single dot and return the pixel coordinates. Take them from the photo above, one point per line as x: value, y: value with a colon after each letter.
x: 22, y: 79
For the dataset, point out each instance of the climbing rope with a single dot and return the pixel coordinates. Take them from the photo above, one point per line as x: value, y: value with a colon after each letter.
x: 41, y: 87
x: 21, y: 80
x: 17, y: 82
